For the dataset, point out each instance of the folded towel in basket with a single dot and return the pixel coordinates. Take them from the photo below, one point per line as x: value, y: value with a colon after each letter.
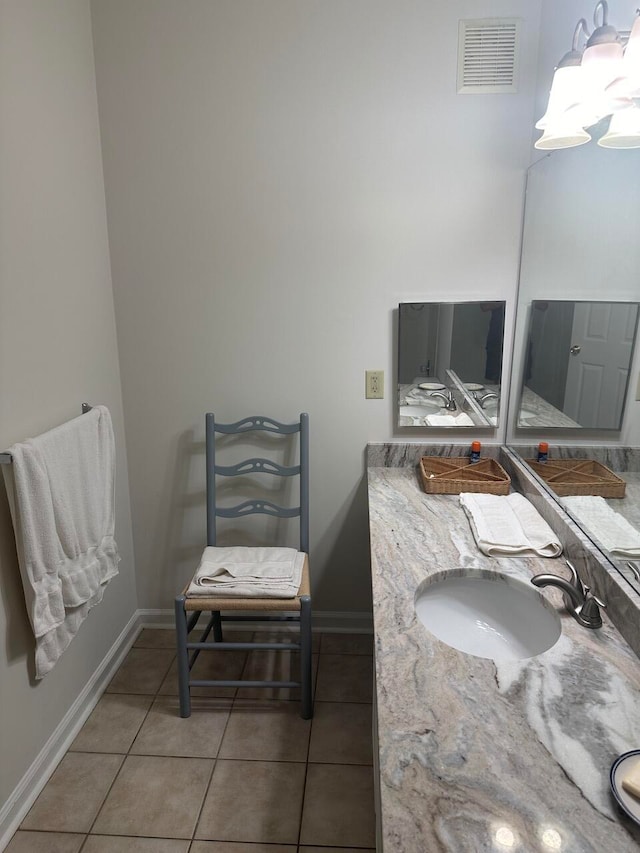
x: 251, y: 572
x: 609, y: 527
x: 508, y: 524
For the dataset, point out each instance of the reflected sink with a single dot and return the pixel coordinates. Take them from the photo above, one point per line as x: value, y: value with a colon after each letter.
x: 526, y: 415
x: 487, y: 614
x: 420, y: 411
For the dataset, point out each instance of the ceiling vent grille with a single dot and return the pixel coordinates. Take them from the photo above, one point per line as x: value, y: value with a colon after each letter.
x: 488, y: 55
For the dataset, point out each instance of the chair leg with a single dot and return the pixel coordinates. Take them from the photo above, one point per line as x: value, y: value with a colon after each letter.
x: 306, y: 688
x: 217, y: 626
x: 182, y: 657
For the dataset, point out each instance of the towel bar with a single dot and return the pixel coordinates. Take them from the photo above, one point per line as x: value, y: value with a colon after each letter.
x: 6, y: 459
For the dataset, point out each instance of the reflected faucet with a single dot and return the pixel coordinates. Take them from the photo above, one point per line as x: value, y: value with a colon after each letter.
x: 450, y: 403
x: 490, y: 396
x: 581, y: 604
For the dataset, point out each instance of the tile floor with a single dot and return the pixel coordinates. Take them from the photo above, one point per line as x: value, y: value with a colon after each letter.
x: 244, y: 774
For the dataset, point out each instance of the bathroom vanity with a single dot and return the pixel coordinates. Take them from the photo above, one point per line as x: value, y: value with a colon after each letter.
x: 477, y: 755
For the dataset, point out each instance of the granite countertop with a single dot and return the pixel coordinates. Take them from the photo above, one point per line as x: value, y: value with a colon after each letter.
x: 543, y: 413
x: 476, y: 755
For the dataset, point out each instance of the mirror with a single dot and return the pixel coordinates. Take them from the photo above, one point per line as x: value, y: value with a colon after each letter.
x: 450, y: 363
x: 577, y: 364
x: 580, y: 247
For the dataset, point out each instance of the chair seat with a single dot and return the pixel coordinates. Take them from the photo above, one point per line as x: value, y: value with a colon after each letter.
x: 210, y: 602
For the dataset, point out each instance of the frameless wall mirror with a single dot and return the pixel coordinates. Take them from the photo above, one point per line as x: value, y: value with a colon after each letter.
x: 577, y: 363
x: 580, y: 247
x: 450, y: 363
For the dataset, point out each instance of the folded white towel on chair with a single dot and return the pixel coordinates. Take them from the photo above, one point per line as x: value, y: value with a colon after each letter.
x: 611, y: 529
x: 61, y: 494
x: 508, y: 524
x: 248, y: 572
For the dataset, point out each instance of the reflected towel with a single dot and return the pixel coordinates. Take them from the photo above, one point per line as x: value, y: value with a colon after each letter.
x: 508, y: 524
x: 611, y: 529
x: 461, y: 420
x: 248, y: 572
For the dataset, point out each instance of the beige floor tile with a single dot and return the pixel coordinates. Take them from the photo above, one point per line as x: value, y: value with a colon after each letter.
x: 347, y: 644
x: 338, y: 806
x: 45, y: 842
x: 209, y: 665
x: 129, y: 844
x: 345, y: 678
x: 253, y: 801
x: 155, y: 797
x: 264, y: 665
x: 72, y: 797
x: 341, y: 733
x: 286, y: 635
x: 165, y: 732
x: 142, y: 671
x: 241, y: 847
x: 266, y: 731
x: 113, y: 724
x: 156, y: 638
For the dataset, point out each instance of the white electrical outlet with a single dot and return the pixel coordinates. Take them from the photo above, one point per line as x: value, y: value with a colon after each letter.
x: 374, y: 384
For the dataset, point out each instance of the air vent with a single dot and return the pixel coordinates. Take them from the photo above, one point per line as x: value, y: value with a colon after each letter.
x: 488, y: 54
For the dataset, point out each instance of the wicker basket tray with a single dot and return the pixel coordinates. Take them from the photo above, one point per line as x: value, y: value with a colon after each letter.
x: 579, y: 477
x: 450, y: 475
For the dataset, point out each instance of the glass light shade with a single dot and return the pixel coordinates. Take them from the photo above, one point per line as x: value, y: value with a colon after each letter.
x: 567, y: 89
x: 602, y: 63
x: 563, y: 133
x: 631, y: 62
x: 624, y: 130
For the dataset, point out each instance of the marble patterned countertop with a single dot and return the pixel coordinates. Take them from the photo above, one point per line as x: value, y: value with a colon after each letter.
x: 476, y: 755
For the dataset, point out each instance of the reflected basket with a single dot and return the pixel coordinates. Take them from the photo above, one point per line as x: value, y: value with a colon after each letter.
x: 579, y: 477
x: 451, y: 475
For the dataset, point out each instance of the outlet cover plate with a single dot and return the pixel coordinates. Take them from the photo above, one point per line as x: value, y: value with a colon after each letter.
x: 374, y: 384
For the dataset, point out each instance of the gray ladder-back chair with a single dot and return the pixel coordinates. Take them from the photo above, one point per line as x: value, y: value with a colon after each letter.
x: 188, y: 608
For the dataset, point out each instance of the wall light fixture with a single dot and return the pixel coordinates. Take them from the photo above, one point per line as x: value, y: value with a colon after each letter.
x: 601, y: 80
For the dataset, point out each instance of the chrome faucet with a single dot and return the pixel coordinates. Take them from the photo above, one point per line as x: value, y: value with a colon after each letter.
x: 450, y: 403
x: 490, y: 396
x: 581, y: 604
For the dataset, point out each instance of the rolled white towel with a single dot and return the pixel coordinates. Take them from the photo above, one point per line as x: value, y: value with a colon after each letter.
x: 611, y: 529
x: 508, y: 524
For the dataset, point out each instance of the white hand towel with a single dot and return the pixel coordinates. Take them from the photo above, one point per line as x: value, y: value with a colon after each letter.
x: 61, y: 493
x: 611, y: 529
x: 508, y: 524
x: 449, y: 420
x: 252, y: 572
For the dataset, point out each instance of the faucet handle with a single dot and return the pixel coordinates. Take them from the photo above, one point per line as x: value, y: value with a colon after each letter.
x: 590, y: 597
x: 575, y: 578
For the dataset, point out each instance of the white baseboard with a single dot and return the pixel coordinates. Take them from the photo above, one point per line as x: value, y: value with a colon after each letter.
x: 36, y: 777
x: 324, y: 621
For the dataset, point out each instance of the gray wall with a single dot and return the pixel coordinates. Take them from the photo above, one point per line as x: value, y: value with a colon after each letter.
x: 279, y: 176
x: 57, y: 332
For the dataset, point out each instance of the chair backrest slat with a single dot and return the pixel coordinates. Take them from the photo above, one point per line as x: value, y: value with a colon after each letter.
x: 260, y: 466
x: 257, y: 423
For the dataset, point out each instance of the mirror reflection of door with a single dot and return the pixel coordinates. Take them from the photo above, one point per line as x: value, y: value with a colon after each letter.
x: 600, y: 355
x: 578, y: 361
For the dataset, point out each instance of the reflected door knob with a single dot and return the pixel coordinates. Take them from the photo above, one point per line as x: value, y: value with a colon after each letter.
x: 576, y: 349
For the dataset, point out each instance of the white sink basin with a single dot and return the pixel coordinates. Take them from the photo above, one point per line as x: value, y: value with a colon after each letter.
x: 487, y: 614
